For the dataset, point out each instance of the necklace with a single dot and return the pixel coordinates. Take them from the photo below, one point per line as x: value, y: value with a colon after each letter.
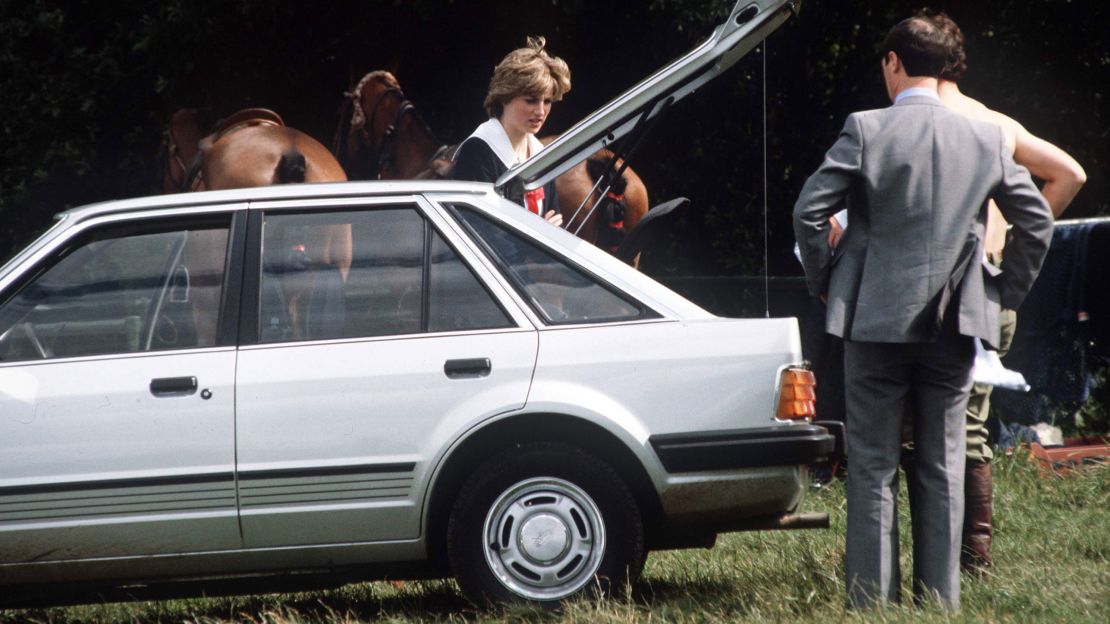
x: 521, y: 153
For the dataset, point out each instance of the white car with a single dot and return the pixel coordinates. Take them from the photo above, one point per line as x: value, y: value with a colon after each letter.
x: 206, y: 387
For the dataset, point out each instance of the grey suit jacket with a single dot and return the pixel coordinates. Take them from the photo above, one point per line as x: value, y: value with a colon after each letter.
x: 915, y: 178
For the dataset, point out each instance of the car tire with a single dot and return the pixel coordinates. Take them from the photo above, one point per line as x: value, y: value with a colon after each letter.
x: 541, y: 523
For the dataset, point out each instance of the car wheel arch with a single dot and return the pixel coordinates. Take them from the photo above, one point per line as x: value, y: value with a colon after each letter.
x: 456, y: 467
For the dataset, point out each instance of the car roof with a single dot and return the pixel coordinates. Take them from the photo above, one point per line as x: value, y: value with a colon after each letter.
x: 614, y: 271
x: 749, y: 23
x: 214, y: 199
x: 278, y: 192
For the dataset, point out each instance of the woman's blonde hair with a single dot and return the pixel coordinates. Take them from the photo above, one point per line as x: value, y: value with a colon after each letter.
x: 526, y: 71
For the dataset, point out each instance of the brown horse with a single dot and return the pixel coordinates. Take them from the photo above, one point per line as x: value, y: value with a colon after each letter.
x: 251, y: 148
x: 382, y: 135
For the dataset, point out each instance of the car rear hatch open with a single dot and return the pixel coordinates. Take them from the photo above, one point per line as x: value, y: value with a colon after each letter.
x: 631, y: 114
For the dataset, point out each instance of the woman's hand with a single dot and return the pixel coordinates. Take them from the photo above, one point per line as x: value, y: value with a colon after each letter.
x: 554, y: 218
x: 835, y: 232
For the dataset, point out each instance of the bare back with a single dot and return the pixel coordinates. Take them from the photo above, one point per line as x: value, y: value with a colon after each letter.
x: 1062, y: 175
x: 951, y: 97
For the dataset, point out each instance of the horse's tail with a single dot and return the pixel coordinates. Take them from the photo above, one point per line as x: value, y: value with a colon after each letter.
x: 291, y: 168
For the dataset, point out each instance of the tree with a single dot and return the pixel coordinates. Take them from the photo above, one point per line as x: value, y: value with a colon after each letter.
x: 86, y: 89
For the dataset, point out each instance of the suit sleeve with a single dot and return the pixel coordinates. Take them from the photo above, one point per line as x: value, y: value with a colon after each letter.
x: 823, y: 195
x: 1024, y: 208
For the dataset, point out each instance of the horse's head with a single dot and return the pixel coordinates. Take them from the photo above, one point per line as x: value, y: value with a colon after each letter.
x: 373, y: 114
x: 370, y: 111
x: 377, y: 82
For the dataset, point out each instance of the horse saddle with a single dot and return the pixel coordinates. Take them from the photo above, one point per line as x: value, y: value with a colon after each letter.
x: 245, y: 118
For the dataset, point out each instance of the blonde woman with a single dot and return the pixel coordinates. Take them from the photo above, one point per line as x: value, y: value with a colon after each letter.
x: 523, y: 87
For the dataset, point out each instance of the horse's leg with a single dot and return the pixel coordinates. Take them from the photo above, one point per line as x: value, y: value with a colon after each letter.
x: 636, y: 203
x: 204, y: 258
x: 332, y: 244
x: 635, y: 198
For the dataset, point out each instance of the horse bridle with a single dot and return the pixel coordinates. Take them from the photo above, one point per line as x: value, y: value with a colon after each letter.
x: 384, y: 150
x: 189, y: 180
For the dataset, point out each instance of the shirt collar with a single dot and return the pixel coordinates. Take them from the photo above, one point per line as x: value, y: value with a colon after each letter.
x: 493, y: 133
x: 916, y: 91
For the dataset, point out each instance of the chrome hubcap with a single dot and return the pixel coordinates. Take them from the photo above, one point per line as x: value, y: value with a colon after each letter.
x: 544, y: 538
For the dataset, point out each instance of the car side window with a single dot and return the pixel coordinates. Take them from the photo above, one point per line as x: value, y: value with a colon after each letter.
x: 116, y: 293
x: 559, y: 292
x: 371, y: 272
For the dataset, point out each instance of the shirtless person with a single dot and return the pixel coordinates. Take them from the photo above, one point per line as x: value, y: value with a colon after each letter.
x: 1062, y: 177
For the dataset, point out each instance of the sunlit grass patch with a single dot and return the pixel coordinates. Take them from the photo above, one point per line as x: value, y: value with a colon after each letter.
x: 1051, y: 552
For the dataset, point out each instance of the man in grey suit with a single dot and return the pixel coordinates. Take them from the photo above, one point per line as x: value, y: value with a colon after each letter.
x: 907, y: 289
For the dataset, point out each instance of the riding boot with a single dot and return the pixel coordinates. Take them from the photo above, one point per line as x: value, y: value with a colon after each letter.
x: 978, y: 501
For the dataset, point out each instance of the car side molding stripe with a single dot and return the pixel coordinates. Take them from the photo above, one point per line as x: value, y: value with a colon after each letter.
x: 325, y: 471
x: 196, y: 479
x: 113, y: 484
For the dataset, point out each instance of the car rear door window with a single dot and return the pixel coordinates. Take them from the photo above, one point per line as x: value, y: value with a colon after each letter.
x: 365, y: 273
x: 558, y: 291
x: 144, y: 289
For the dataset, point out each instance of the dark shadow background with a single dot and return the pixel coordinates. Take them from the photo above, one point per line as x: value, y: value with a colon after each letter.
x: 86, y: 89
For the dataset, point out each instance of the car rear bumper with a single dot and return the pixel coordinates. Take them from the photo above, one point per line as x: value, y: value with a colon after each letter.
x: 785, y: 445
x: 724, y: 478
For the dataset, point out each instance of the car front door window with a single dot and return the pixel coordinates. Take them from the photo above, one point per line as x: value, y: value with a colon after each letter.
x: 120, y: 294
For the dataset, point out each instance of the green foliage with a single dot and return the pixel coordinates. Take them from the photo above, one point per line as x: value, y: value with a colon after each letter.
x: 82, y: 103
x: 86, y: 89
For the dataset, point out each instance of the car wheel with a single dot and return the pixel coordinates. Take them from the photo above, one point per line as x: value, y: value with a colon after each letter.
x: 541, y: 523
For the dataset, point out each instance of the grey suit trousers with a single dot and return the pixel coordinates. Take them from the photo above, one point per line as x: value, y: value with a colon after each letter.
x: 882, y: 380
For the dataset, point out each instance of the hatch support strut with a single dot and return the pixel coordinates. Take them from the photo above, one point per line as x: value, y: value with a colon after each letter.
x: 628, y: 145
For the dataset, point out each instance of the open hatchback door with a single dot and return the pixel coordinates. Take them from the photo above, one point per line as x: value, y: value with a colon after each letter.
x: 632, y: 113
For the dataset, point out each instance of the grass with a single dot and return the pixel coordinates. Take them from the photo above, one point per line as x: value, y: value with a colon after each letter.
x: 1052, y: 564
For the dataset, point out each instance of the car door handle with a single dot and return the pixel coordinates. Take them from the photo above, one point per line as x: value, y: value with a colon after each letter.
x: 173, y: 386
x: 469, y: 367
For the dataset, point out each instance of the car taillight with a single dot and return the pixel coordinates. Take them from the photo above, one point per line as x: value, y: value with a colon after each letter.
x: 797, y: 395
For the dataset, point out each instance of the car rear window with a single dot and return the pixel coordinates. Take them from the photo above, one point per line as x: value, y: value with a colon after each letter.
x: 366, y: 273
x: 559, y: 291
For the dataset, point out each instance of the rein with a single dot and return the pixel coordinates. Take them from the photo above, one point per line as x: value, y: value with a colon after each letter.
x: 173, y: 154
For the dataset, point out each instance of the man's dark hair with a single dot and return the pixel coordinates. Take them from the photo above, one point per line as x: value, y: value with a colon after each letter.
x: 921, y: 46
x: 956, y: 65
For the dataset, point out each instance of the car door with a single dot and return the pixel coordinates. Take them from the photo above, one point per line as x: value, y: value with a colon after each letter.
x: 377, y: 343
x: 116, y: 394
